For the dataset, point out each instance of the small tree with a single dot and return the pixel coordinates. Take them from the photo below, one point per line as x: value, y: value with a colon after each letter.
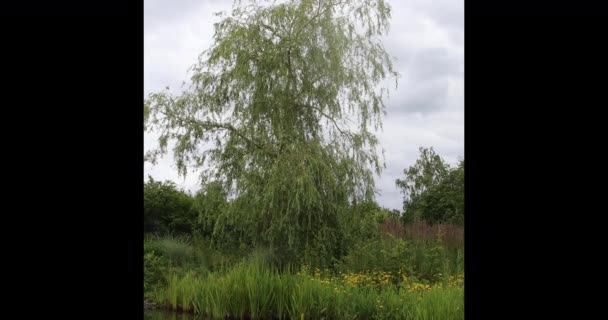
x: 433, y: 191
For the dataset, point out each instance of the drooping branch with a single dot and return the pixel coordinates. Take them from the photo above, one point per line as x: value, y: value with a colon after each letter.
x: 210, y: 125
x: 225, y: 126
x: 317, y: 15
x: 347, y: 134
x: 284, y: 76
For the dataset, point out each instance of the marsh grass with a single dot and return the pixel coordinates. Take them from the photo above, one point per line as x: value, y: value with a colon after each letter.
x: 252, y: 289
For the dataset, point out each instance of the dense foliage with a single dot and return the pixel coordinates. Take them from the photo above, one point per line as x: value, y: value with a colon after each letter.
x: 285, y: 99
x: 433, y: 190
x: 167, y: 209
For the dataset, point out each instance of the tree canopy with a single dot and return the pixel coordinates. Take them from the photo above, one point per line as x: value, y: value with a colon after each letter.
x: 433, y: 190
x: 166, y: 208
x: 280, y: 111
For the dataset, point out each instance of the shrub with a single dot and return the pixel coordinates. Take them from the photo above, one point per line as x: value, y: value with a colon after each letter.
x: 167, y: 209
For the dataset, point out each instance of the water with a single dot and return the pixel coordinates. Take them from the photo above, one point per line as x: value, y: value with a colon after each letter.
x: 167, y: 315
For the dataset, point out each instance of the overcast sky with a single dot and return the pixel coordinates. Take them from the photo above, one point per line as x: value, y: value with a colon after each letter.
x: 427, y: 109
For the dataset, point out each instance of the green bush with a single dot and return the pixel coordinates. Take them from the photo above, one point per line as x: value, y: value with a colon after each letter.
x: 167, y: 209
x: 154, y: 272
x: 426, y: 261
x: 386, y: 254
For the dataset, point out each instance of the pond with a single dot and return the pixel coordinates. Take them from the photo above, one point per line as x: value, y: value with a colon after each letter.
x: 168, y: 315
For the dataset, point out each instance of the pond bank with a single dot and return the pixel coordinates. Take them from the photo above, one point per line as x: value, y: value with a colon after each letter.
x: 149, y: 305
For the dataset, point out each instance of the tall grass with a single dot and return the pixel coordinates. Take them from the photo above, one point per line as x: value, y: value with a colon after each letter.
x: 252, y: 289
x: 188, y: 253
x: 423, y: 259
x: 170, y: 256
x: 410, y: 272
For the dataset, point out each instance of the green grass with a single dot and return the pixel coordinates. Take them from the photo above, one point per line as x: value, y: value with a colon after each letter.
x: 423, y: 259
x: 170, y: 256
x: 253, y: 289
x: 385, y: 278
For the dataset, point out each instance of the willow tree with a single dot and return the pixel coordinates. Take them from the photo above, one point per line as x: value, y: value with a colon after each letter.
x: 281, y: 109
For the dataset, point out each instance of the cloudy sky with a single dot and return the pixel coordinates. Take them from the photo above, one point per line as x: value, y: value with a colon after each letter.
x: 427, y: 109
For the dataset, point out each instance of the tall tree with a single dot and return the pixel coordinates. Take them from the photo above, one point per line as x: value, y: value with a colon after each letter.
x: 287, y: 96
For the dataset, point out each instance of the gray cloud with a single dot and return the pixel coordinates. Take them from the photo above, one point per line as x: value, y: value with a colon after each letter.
x: 427, y: 64
x: 425, y: 81
x: 158, y: 13
x: 427, y: 109
x: 449, y: 14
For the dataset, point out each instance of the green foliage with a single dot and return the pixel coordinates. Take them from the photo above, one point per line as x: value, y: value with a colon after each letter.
x: 181, y: 254
x: 425, y: 261
x: 362, y: 223
x: 382, y: 214
x: 177, y: 250
x: 210, y: 203
x: 253, y: 290
x: 177, y: 277
x: 278, y: 118
x: 433, y: 191
x: 167, y: 209
x: 154, y: 272
x: 275, y: 96
x: 385, y: 253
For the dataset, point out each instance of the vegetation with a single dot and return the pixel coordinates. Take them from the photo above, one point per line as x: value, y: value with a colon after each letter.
x: 433, y: 190
x: 279, y: 119
x: 382, y: 277
x: 252, y: 289
x: 260, y: 96
x: 167, y: 209
x: 389, y: 278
